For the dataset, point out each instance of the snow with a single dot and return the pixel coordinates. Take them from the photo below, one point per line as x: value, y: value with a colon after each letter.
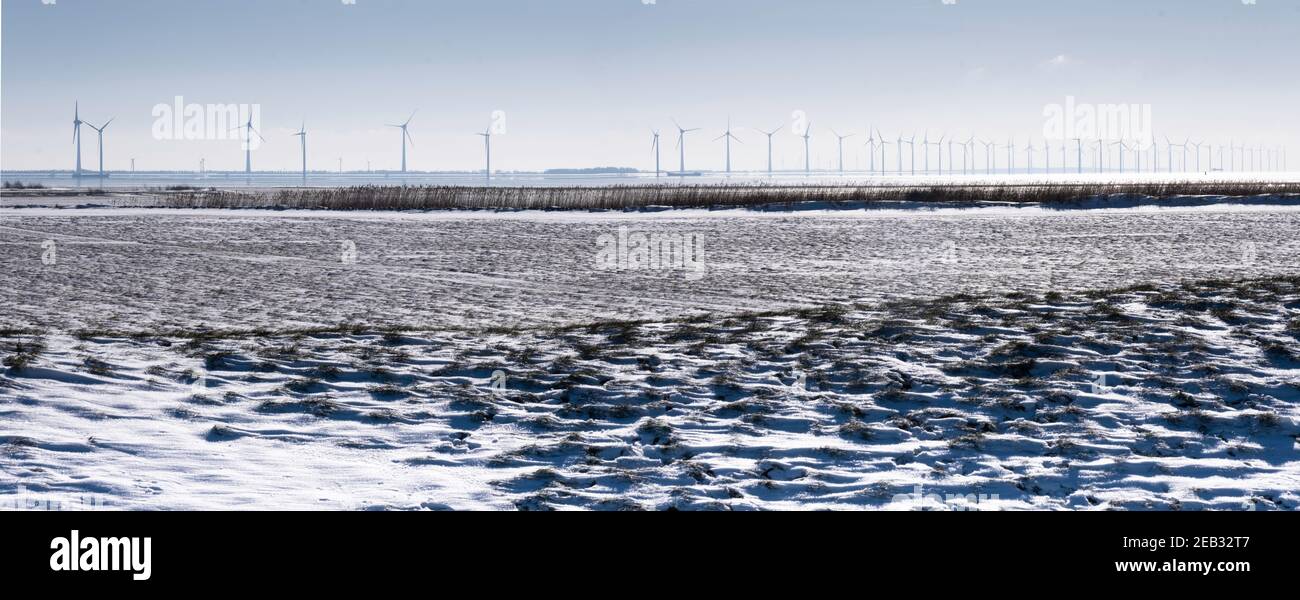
x: 960, y: 369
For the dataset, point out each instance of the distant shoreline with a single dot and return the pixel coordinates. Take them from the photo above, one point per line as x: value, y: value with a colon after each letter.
x: 660, y: 197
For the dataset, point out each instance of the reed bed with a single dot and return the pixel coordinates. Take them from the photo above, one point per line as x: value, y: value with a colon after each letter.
x: 633, y: 197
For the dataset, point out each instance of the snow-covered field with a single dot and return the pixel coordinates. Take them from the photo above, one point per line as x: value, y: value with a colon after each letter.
x: 262, y: 359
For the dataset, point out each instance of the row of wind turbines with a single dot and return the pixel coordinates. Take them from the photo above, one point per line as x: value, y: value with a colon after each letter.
x: 249, y: 131
x: 1240, y: 157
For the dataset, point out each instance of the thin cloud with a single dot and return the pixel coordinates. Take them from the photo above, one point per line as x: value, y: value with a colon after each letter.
x: 1058, y: 62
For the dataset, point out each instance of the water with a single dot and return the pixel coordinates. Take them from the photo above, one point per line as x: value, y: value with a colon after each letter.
x: 125, y: 180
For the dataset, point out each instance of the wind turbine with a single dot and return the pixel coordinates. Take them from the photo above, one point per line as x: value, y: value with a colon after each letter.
x: 968, y: 150
x: 841, y: 139
x: 100, y: 131
x: 1078, y: 150
x: 654, y: 145
x: 681, y: 145
x: 406, y: 135
x: 911, y: 148
x: 728, y: 136
x: 988, y: 157
x: 248, y: 143
x: 77, y: 122
x: 807, y: 134
x: 925, y: 149
x: 871, y: 150
x: 941, y: 154
x: 1169, y: 149
x: 883, y: 143
x: 1122, y: 147
x: 1029, y: 155
x: 769, y: 135
x: 487, y: 149
x: 900, y: 152
x: 1011, y: 154
x: 1197, y: 145
x: 302, y: 135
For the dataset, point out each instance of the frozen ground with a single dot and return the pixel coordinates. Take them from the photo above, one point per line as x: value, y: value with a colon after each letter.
x: 129, y: 270
x: 969, y: 354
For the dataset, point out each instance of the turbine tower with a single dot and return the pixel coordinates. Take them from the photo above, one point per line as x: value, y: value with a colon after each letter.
x: 883, y: 143
x: 1122, y: 147
x: 654, y: 145
x: 899, y: 147
x: 406, y: 135
x: 807, y: 134
x: 871, y: 150
x: 840, y: 139
x: 769, y: 135
x: 302, y: 137
x: 76, y: 134
x: 968, y: 149
x: 911, y: 147
x: 1169, y: 148
x: 100, y: 131
x: 681, y: 145
x: 1011, y: 155
x: 941, y: 155
x: 925, y: 150
x: 728, y: 136
x: 487, y: 149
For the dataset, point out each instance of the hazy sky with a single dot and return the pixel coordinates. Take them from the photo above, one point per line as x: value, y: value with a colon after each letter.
x: 582, y: 82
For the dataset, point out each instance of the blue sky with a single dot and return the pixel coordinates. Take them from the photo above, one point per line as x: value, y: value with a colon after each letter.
x: 583, y: 81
